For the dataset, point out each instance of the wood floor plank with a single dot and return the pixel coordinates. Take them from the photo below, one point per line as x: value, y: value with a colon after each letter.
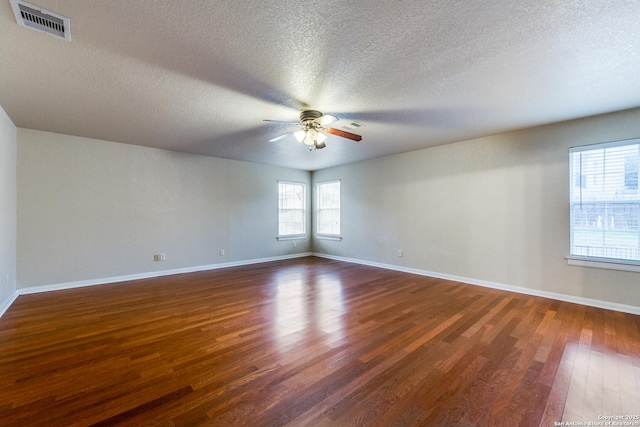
x: 311, y: 342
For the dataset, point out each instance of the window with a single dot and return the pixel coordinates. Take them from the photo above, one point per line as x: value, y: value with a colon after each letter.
x: 605, y: 202
x: 291, y: 209
x: 328, y: 211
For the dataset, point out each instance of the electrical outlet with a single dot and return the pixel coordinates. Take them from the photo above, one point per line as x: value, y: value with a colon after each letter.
x: 221, y: 252
x: 295, y: 244
x: 163, y: 257
x: 400, y: 252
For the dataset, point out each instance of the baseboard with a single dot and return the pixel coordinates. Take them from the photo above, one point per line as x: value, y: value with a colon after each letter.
x: 116, y: 279
x: 551, y: 295
x: 4, y: 306
x: 526, y: 291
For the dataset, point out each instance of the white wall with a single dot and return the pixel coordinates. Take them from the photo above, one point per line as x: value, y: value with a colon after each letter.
x: 7, y: 208
x: 493, y: 209
x: 90, y: 210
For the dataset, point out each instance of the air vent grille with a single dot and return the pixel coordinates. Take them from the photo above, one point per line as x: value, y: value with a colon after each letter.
x: 352, y: 126
x: 39, y: 19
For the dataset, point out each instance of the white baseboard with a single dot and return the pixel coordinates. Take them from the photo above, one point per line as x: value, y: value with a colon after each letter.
x: 4, y: 305
x: 527, y: 291
x: 552, y: 295
x: 116, y: 279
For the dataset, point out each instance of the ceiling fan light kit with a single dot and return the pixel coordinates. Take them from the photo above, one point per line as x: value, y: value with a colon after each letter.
x: 314, y: 123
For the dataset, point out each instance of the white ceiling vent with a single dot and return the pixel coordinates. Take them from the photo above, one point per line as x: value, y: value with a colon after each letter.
x: 39, y: 19
x: 352, y: 126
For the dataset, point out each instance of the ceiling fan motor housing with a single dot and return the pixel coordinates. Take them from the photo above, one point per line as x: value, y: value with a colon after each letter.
x: 308, y: 115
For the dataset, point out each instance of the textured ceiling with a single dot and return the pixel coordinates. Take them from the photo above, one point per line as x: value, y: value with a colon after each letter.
x: 200, y: 76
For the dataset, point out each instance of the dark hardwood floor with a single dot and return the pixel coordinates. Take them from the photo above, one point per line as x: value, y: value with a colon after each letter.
x: 312, y: 342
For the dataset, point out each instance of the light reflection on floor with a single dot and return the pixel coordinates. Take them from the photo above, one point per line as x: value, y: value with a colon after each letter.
x: 329, y: 315
x: 307, y: 304
x: 601, y: 383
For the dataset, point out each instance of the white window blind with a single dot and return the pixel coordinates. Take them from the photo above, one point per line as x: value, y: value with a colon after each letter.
x: 328, y: 211
x: 605, y: 202
x: 291, y: 209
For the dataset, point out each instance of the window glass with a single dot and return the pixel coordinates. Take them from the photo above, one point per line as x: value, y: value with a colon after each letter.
x: 328, y: 212
x: 605, y: 202
x: 291, y: 209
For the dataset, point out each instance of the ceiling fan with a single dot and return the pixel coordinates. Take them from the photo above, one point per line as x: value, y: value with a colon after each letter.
x: 314, y: 123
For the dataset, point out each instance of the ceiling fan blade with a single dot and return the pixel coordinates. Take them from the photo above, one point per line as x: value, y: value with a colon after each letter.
x: 280, y: 121
x: 327, y: 119
x: 279, y: 137
x: 344, y: 134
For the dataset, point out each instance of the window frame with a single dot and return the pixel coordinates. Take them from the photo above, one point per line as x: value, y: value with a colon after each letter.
x: 319, y: 208
x: 292, y: 236
x: 624, y: 196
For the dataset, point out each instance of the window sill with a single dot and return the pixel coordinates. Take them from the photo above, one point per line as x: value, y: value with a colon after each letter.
x: 605, y: 263
x: 328, y: 237
x: 296, y: 237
